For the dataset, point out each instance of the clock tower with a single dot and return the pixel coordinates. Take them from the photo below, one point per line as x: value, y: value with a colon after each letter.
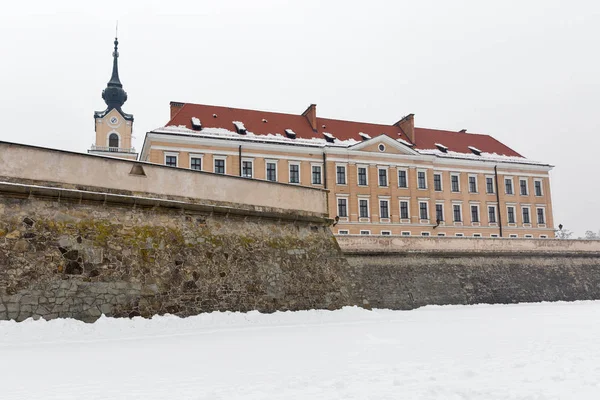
x: 114, y: 126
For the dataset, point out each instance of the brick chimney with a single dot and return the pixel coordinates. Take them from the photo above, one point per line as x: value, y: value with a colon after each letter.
x: 407, y: 127
x: 311, y: 115
x: 175, y: 107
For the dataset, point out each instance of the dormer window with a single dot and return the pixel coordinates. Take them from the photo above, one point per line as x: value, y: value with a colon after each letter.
x: 113, y: 140
x: 214, y: 115
x: 196, y: 124
x: 239, y: 127
x: 364, y: 136
x: 475, y: 150
x: 264, y: 120
x: 329, y: 137
x: 441, y: 147
x: 290, y: 134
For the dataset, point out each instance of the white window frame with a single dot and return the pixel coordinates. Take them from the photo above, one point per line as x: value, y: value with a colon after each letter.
x: 541, y: 181
x: 441, y: 181
x: 386, y: 233
x: 424, y: 220
x: 458, y: 234
x: 398, y: 177
x: 366, y: 167
x: 513, y: 236
x: 404, y: 220
x: 457, y: 174
x: 195, y: 155
x: 108, y: 139
x: 543, y: 224
x: 476, y: 183
x: 494, y: 235
x: 405, y: 233
x: 224, y: 159
x: 251, y: 161
x: 320, y: 165
x: 364, y: 232
x: 298, y: 163
x: 171, y: 154
x: 387, y: 176
x: 345, y: 166
x: 477, y: 235
x: 461, y: 213
x: 271, y: 161
x: 343, y: 232
x: 521, y: 178
x: 441, y: 203
x: 478, y: 222
x: 528, y: 236
x: 543, y: 236
x: 493, y: 178
x: 441, y: 234
x: 512, y: 185
x: 526, y: 224
x: 490, y: 223
x: 381, y: 218
x: 337, y: 207
x: 514, y: 223
x: 425, y: 233
x: 424, y: 171
x: 368, y: 217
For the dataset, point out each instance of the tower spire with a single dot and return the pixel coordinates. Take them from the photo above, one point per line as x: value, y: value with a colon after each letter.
x: 114, y: 96
x: 114, y: 79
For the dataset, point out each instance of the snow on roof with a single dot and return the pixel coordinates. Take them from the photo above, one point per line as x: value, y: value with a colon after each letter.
x: 239, y: 126
x: 404, y: 142
x: 483, y: 157
x: 365, y: 136
x: 441, y: 147
x: 475, y: 150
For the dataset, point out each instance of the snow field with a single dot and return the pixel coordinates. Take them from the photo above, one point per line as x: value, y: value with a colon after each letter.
x: 524, y: 351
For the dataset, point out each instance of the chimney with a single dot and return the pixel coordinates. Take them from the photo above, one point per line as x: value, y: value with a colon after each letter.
x: 311, y: 115
x: 175, y: 107
x: 407, y: 126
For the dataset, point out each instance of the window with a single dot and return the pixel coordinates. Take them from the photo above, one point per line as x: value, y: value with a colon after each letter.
x: 510, y: 214
x: 423, y: 212
x: 538, y: 187
x: 492, y: 214
x: 489, y: 185
x: 171, y: 161
x: 341, y: 175
x: 271, y: 171
x: 342, y: 207
x: 316, y: 174
x: 441, y: 234
x: 386, y: 233
x: 543, y: 236
x: 478, y: 235
x: 437, y: 182
x: 196, y: 163
x: 363, y: 208
x: 459, y: 234
x: 294, y: 173
x: 540, y: 216
x: 381, y: 147
x: 424, y: 233
x: 508, y: 185
x: 513, y: 235
x: 247, y: 168
x: 526, y: 219
x: 455, y: 185
x: 404, y: 210
x: 457, y: 212
x: 529, y: 236
x: 365, y: 232
x: 472, y: 184
x: 474, y: 213
x: 113, y: 140
x: 383, y: 180
x: 494, y: 235
x: 384, y: 209
x: 343, y: 232
x: 402, y: 180
x: 219, y: 166
x: 421, y: 180
x: 439, y: 212
x: 523, y: 186
x: 362, y: 176
x: 405, y: 233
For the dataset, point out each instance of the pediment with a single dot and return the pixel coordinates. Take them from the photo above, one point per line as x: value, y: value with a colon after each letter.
x: 391, y: 146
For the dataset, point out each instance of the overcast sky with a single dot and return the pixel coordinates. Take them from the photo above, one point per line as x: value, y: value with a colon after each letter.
x: 525, y: 72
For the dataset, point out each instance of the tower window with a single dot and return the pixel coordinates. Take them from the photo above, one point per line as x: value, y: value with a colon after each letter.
x: 113, y: 140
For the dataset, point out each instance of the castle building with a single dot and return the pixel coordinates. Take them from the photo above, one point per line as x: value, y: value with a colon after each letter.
x: 113, y: 126
x: 382, y: 179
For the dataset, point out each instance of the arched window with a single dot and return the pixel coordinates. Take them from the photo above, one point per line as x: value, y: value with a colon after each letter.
x: 113, y: 140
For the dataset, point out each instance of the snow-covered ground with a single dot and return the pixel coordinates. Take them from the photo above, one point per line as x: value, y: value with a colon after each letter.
x: 526, y: 351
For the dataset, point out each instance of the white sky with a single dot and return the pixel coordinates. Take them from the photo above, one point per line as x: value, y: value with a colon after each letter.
x: 525, y: 72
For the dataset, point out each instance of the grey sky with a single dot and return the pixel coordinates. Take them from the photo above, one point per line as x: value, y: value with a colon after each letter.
x: 525, y: 72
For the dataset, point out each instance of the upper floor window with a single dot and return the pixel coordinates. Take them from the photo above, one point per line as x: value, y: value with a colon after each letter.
x: 384, y: 209
x: 474, y: 213
x: 439, y: 212
x: 472, y: 184
x: 294, y: 173
x: 421, y: 180
x: 404, y: 210
x: 402, y: 178
x: 510, y: 214
x: 538, y: 188
x: 492, y: 214
x: 523, y: 186
x: 247, y: 169
x: 526, y: 218
x: 113, y: 140
x: 171, y: 161
x: 423, y: 211
x: 362, y: 176
x: 342, y: 207
x: 489, y: 184
x: 341, y: 175
x: 508, y: 184
x: 540, y: 216
x: 219, y: 166
x: 271, y: 171
x: 316, y: 174
x: 457, y: 214
x: 454, y: 183
x: 383, y: 180
x: 437, y: 182
x: 196, y: 163
x: 363, y: 208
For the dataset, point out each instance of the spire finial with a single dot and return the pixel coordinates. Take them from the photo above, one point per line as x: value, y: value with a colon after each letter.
x: 114, y: 95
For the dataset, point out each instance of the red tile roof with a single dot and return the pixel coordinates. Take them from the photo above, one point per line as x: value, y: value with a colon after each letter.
x: 265, y: 122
